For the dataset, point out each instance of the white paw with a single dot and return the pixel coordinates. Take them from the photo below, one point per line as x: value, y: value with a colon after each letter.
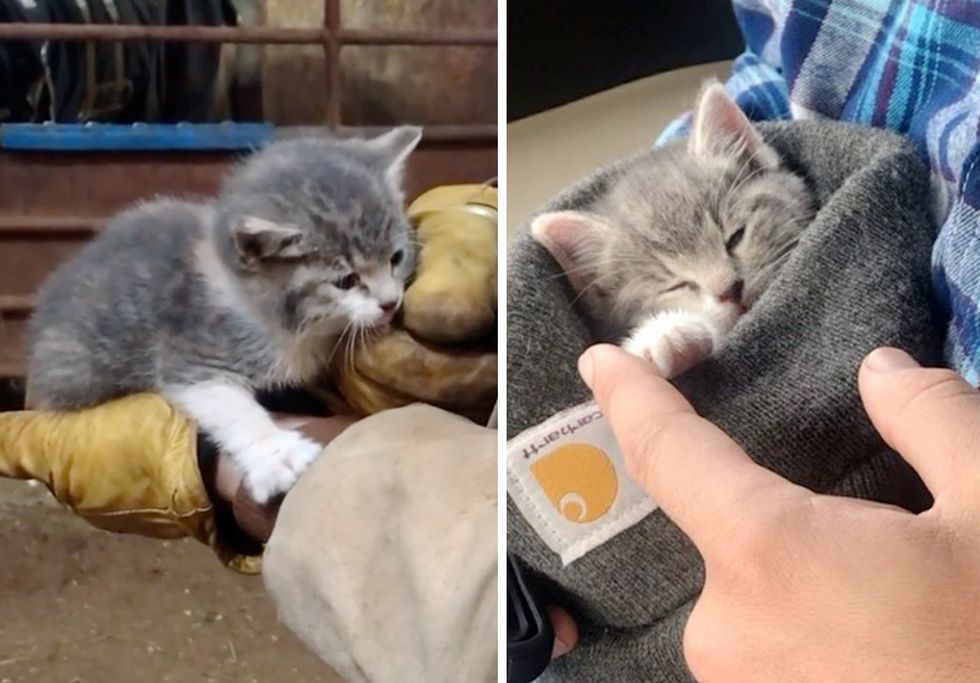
x: 273, y: 464
x: 675, y: 341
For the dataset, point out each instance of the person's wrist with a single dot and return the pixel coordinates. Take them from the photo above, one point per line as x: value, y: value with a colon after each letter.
x: 228, y: 479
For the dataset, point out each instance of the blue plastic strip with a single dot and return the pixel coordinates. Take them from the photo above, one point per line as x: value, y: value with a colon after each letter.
x: 87, y: 137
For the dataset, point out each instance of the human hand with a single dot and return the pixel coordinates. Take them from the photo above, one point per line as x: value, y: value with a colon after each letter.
x: 565, y: 630
x: 255, y: 519
x: 807, y: 587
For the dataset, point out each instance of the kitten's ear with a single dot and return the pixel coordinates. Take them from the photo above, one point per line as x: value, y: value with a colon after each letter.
x: 390, y: 151
x: 721, y: 128
x: 572, y: 238
x: 256, y: 239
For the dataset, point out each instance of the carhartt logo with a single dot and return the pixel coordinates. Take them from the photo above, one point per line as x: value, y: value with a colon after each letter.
x: 579, y: 480
x: 567, y: 477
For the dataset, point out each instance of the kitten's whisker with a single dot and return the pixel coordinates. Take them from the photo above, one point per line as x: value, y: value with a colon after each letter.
x: 345, y: 361
x: 357, y: 343
x: 738, y: 176
x: 775, y: 264
x: 338, y: 343
x: 589, y: 267
x: 352, y: 348
x: 581, y: 293
x: 349, y: 353
x: 594, y: 280
x: 782, y: 250
x: 733, y: 190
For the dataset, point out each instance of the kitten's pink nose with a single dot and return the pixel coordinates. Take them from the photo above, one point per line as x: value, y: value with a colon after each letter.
x: 733, y: 294
x: 388, y: 306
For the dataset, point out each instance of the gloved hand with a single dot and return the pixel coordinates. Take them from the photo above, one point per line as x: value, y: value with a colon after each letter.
x: 132, y: 466
x: 129, y: 466
x: 441, y: 349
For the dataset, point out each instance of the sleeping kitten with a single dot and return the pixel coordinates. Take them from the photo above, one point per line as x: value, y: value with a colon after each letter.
x: 207, y: 303
x: 685, y: 239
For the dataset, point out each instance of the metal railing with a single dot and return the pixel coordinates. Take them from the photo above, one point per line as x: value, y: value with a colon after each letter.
x: 331, y: 35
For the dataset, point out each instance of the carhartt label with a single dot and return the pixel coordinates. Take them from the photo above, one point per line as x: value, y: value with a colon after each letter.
x: 568, y: 479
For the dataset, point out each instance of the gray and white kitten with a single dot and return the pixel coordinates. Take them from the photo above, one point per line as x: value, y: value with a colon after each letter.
x: 685, y: 239
x: 206, y: 303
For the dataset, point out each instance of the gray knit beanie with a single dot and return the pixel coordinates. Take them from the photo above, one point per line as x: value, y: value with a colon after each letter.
x: 784, y: 386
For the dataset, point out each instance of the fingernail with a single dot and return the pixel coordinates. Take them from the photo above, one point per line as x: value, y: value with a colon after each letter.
x: 585, y: 367
x: 559, y: 649
x: 889, y: 360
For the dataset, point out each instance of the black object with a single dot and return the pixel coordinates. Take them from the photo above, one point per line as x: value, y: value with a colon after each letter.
x: 11, y: 393
x: 292, y: 401
x: 226, y: 525
x: 112, y: 81
x: 530, y: 638
x: 562, y: 50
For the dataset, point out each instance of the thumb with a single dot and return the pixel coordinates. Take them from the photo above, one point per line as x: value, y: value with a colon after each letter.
x: 931, y: 416
x: 694, y: 471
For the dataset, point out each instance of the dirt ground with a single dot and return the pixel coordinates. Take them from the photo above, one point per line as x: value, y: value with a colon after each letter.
x: 79, y: 605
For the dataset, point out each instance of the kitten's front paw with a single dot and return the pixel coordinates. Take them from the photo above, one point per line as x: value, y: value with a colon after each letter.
x: 275, y: 463
x: 674, y: 341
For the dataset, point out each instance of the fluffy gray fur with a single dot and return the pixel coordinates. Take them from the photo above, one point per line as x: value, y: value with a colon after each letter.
x: 208, y: 302
x: 684, y: 239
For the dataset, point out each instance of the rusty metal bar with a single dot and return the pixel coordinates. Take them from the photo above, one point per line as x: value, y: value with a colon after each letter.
x: 11, y: 371
x: 260, y: 34
x: 466, y: 132
x: 469, y: 132
x: 463, y: 37
x: 41, y: 227
x: 16, y: 303
x: 331, y: 51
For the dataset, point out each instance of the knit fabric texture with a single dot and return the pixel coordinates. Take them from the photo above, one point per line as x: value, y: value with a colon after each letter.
x: 784, y: 386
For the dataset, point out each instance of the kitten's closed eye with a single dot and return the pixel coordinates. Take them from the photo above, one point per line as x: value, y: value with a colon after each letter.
x: 735, y: 239
x: 679, y: 286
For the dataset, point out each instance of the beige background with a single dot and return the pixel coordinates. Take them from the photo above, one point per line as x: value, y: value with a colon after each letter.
x: 550, y: 150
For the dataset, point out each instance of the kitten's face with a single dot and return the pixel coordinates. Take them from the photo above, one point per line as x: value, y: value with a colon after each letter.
x: 319, y: 231
x: 704, y: 235
x: 701, y: 228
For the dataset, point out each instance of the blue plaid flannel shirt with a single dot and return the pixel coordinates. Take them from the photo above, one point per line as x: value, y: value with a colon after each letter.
x: 912, y: 66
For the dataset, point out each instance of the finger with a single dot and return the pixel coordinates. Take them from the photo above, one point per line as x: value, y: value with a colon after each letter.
x: 700, y: 478
x: 931, y: 416
x: 565, y: 629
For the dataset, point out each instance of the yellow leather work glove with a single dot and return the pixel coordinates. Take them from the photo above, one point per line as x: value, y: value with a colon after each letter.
x: 127, y: 466
x: 441, y: 349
